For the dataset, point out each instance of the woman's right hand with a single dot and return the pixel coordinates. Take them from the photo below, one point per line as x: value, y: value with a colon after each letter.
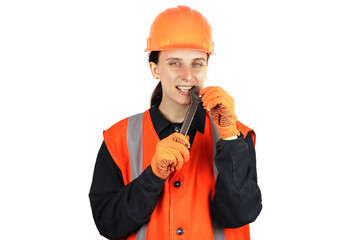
x: 170, y: 155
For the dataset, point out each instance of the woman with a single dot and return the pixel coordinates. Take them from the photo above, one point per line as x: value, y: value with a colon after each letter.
x: 151, y: 182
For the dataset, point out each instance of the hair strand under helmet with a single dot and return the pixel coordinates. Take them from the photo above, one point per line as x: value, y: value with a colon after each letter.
x: 180, y: 28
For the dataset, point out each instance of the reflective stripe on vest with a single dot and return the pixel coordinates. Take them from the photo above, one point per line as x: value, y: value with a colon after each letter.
x: 218, y: 232
x: 216, y: 135
x: 134, y: 143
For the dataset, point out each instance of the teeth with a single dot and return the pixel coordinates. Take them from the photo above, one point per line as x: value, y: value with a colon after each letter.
x: 184, y: 89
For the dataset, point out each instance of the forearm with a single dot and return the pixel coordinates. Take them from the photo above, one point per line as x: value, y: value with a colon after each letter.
x: 120, y: 210
x: 237, y: 199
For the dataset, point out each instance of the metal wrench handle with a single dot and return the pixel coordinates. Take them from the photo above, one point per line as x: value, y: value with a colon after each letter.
x: 194, y: 102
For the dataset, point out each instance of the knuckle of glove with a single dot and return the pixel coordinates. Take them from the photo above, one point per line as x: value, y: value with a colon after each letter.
x: 170, y: 155
x: 176, y: 145
x: 183, y: 145
x: 179, y: 138
x: 185, y: 153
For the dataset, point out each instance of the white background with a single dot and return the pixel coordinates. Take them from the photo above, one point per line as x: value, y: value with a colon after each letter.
x: 70, y: 69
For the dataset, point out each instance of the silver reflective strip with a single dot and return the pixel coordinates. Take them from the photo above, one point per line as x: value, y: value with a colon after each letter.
x: 216, y: 137
x: 218, y: 232
x: 141, y: 233
x: 134, y: 143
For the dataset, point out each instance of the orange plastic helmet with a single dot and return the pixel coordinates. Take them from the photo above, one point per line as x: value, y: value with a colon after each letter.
x: 180, y: 28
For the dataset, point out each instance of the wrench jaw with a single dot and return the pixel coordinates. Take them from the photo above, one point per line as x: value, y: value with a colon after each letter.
x: 193, y: 93
x: 194, y: 102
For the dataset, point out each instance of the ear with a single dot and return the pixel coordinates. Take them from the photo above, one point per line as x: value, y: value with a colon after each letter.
x: 154, y: 70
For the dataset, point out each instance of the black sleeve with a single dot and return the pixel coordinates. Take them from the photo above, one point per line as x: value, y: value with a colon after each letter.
x: 120, y: 210
x: 237, y: 199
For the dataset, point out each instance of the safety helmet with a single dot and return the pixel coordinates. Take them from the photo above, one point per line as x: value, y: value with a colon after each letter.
x: 180, y: 28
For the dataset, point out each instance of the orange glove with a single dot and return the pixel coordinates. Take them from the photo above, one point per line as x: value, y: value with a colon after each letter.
x: 171, y: 153
x: 221, y: 105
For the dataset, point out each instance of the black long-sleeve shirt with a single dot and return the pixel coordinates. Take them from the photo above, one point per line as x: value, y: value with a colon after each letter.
x: 119, y: 210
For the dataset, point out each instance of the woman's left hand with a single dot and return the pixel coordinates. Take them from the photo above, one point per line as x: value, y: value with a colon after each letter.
x: 221, y: 105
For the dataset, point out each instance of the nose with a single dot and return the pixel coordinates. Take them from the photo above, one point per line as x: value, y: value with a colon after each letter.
x: 186, y: 74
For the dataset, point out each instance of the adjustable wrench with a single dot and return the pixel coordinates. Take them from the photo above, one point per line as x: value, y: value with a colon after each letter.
x: 194, y: 102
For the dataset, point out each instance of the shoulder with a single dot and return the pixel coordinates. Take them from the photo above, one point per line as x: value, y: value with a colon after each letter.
x: 120, y: 127
x: 245, y: 130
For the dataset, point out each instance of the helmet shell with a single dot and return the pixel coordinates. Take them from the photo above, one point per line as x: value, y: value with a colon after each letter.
x: 180, y: 28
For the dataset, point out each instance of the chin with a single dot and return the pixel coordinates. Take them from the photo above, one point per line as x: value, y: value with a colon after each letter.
x: 182, y: 101
x: 185, y: 102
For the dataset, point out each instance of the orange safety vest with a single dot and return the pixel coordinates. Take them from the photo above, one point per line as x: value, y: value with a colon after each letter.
x: 132, y: 143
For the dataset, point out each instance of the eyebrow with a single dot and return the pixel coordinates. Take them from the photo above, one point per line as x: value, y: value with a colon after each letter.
x: 180, y: 59
x: 200, y: 59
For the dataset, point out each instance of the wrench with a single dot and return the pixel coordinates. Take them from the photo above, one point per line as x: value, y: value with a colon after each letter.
x: 194, y: 102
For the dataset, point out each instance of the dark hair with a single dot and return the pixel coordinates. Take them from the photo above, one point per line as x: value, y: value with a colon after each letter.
x: 157, y: 93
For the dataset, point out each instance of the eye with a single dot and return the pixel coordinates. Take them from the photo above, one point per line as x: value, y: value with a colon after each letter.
x: 174, y: 63
x: 198, y: 64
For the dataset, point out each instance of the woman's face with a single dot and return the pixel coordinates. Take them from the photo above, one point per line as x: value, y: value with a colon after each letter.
x: 179, y: 71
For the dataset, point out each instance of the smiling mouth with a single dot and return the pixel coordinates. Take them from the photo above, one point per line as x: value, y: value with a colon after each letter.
x: 185, y: 89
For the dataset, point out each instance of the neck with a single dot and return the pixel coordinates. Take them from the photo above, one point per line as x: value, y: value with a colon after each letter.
x: 175, y: 113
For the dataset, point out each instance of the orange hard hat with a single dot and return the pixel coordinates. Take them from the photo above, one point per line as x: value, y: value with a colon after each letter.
x: 180, y: 28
